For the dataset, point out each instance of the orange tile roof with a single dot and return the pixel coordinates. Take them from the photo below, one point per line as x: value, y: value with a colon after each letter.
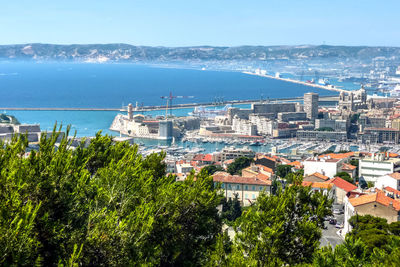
x: 198, y: 157
x: 296, y: 164
x: 378, y: 197
x: 343, y: 184
x: 207, y: 157
x: 317, y: 184
x: 392, y: 190
x: 348, y: 167
x: 338, y: 156
x: 224, y: 177
x: 395, y: 175
x: 319, y: 175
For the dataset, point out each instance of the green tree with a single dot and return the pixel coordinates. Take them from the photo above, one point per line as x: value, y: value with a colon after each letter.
x: 238, y: 165
x: 282, y: 228
x: 101, y: 204
x: 211, y: 169
x: 283, y: 170
x: 231, y: 209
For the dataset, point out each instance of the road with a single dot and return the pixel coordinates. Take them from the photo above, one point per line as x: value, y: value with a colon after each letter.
x: 329, y: 235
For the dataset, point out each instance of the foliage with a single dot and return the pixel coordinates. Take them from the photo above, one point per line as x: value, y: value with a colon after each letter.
x: 101, y: 204
x: 354, y: 162
x: 345, y: 176
x: 282, y: 228
x: 231, y: 209
x: 369, y: 244
x: 211, y: 169
x: 283, y: 170
x: 238, y: 165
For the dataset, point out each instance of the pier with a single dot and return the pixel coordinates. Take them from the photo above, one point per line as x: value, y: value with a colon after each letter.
x: 320, y: 86
x: 176, y: 106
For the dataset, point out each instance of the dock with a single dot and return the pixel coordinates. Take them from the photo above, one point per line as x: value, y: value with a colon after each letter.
x: 176, y: 106
x: 320, y: 86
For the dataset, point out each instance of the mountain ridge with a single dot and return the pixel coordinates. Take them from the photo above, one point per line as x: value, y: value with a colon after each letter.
x: 120, y: 52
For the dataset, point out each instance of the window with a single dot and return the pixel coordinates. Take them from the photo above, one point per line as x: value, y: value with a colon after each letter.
x: 261, y: 188
x: 246, y: 196
x: 229, y: 186
x: 223, y: 186
x: 254, y: 196
x: 237, y: 187
x: 246, y: 187
x: 254, y: 188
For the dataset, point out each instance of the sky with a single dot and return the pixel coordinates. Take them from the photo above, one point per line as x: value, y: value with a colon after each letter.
x: 205, y: 22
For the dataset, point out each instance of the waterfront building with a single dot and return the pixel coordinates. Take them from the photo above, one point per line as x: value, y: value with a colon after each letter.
x: 292, y: 116
x: 336, y: 125
x: 379, y: 135
x: 229, y: 153
x: 311, y: 105
x: 335, y: 136
x: 244, y: 127
x: 165, y: 130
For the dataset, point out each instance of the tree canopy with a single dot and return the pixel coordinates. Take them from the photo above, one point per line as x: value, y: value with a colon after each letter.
x: 103, y: 204
x: 239, y: 164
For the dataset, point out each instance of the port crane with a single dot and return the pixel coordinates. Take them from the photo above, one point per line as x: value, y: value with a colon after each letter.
x: 169, y: 99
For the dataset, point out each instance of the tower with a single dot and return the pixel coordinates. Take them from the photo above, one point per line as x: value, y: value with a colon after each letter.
x: 130, y: 111
x: 311, y: 105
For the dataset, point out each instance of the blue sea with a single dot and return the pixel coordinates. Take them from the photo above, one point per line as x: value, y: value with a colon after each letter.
x: 86, y: 85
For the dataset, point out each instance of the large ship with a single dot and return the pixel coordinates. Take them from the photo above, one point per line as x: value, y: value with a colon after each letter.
x: 204, y: 112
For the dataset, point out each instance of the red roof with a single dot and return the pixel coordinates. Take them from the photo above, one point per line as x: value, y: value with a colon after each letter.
x: 198, y: 157
x: 343, y: 184
x: 207, y: 157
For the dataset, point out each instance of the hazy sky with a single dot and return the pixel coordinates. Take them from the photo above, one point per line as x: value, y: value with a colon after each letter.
x: 205, y: 22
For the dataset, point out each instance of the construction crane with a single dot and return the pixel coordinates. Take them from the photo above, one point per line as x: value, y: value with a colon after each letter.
x: 169, y: 99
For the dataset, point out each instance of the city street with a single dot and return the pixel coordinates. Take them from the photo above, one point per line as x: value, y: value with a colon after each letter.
x: 329, y: 235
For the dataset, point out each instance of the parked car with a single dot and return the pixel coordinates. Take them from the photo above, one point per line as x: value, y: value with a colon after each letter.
x: 337, y: 211
x: 332, y: 221
x: 339, y: 225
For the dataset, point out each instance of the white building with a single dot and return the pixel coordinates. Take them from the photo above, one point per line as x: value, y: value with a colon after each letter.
x: 242, y: 126
x: 376, y: 166
x: 392, y: 180
x: 232, y: 152
x: 265, y: 126
x: 324, y: 165
x: 183, y: 168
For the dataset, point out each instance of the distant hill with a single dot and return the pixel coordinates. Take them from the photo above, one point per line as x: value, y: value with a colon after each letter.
x: 131, y: 53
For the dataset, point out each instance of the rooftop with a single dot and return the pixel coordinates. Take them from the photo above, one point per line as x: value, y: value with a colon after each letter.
x: 319, y: 175
x: 225, y: 177
x: 378, y: 197
x: 343, y: 184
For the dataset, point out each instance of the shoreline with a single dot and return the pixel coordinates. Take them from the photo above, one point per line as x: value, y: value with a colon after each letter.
x: 334, y: 89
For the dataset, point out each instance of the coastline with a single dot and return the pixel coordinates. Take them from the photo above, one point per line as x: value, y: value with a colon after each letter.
x: 329, y: 88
